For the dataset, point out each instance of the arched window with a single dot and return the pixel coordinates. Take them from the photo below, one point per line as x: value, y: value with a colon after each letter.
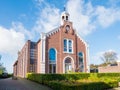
x: 52, y: 60
x: 52, y: 54
x: 81, y: 62
x: 65, y: 45
x: 62, y: 17
x: 80, y: 54
x: 66, y: 17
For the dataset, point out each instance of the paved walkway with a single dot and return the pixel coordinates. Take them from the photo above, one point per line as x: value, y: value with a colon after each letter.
x: 20, y: 84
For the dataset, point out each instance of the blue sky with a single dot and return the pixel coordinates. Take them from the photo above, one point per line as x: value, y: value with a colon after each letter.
x: 97, y: 21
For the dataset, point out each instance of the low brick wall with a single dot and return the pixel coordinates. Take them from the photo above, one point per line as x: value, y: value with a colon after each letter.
x: 109, y: 69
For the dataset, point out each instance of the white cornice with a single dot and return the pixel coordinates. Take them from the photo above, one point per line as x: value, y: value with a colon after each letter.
x: 52, y: 32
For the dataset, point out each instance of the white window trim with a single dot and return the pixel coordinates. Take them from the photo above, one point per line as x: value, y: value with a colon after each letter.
x: 72, y: 63
x: 68, y: 46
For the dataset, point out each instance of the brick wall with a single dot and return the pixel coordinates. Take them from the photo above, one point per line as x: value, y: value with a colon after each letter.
x: 55, y: 40
x: 109, y: 69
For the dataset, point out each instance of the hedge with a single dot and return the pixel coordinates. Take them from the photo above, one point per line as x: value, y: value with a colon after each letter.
x: 79, y: 81
x: 99, y: 75
x: 42, y: 78
x: 81, y: 86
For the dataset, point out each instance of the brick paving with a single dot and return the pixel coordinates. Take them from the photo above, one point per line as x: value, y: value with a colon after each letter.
x: 21, y: 84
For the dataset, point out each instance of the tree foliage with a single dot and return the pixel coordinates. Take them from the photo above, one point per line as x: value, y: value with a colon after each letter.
x: 2, y: 68
x: 109, y: 57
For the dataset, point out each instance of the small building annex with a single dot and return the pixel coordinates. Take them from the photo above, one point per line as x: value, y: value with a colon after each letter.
x: 61, y: 50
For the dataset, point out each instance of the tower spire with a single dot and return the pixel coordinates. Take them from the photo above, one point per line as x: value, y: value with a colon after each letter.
x: 64, y: 8
x: 64, y: 16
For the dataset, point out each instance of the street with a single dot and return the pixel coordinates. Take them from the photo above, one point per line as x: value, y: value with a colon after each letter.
x: 20, y: 84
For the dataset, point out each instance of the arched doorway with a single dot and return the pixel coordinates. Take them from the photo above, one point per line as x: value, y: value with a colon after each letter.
x: 68, y: 65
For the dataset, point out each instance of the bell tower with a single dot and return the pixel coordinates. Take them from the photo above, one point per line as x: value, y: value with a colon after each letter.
x: 64, y: 16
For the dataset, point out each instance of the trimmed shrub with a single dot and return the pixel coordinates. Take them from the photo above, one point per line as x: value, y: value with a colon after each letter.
x: 77, y: 81
x: 44, y: 78
x: 99, y: 75
x: 80, y: 86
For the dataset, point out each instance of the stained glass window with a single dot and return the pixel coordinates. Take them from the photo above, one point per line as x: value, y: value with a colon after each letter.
x: 52, y: 54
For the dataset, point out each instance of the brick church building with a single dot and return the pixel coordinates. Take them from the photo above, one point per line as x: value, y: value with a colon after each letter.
x: 61, y: 50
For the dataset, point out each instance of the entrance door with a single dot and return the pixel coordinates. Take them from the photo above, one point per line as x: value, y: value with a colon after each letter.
x: 68, y: 65
x: 52, y: 68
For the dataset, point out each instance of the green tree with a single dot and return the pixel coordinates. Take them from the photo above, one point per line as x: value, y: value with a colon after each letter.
x: 2, y: 68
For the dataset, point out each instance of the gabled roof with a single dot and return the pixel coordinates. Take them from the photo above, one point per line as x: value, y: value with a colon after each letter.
x: 58, y: 28
x: 52, y: 31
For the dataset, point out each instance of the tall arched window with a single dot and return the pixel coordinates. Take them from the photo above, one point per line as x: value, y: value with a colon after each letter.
x: 65, y: 45
x: 52, y: 60
x: 81, y: 62
x: 52, y: 54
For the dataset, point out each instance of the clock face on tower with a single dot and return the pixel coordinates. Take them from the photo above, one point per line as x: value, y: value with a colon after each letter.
x: 67, y: 27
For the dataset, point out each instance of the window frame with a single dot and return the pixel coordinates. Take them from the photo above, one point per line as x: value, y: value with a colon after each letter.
x: 68, y: 46
x: 52, y: 63
x: 50, y: 54
x: 82, y: 60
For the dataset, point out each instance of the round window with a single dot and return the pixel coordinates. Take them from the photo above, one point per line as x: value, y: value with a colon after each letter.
x: 67, y: 27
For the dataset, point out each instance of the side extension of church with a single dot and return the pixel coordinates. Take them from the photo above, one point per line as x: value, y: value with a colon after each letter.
x: 61, y: 50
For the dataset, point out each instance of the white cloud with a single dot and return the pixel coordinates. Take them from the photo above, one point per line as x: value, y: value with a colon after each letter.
x: 96, y: 59
x: 84, y: 15
x: 14, y: 38
x: 80, y: 15
x: 18, y: 27
x: 11, y: 41
x: 48, y: 19
x: 107, y: 16
x: 87, y: 17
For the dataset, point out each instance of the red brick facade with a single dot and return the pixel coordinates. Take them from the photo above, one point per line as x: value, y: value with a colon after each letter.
x: 64, y: 60
x: 23, y: 64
